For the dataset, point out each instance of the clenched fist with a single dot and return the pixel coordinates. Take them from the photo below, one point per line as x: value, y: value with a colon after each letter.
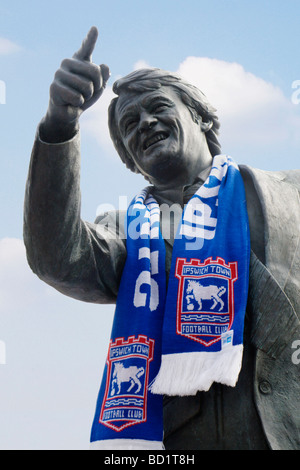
x: 77, y: 85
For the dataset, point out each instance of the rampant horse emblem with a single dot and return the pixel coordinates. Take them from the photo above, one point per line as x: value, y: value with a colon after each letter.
x: 127, y: 372
x: 205, y: 301
x: 122, y: 374
x: 199, y: 293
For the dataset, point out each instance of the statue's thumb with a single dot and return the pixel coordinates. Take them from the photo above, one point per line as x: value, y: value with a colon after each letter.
x: 105, y: 72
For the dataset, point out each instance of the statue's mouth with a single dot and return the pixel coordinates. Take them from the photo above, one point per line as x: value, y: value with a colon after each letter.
x: 159, y: 136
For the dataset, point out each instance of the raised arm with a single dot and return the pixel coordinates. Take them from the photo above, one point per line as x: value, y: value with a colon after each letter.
x: 77, y: 85
x: 77, y: 258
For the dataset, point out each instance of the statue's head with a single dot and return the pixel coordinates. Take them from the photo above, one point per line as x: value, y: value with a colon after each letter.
x: 160, y: 124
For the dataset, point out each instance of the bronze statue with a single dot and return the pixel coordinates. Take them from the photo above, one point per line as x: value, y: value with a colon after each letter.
x: 81, y: 260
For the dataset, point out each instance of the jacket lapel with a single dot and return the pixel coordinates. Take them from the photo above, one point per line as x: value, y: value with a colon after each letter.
x: 280, y: 206
x: 274, y: 319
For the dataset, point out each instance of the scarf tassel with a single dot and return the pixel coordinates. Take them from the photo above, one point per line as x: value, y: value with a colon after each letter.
x: 185, y: 374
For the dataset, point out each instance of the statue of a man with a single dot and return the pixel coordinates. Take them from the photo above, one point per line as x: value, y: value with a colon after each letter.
x: 165, y: 129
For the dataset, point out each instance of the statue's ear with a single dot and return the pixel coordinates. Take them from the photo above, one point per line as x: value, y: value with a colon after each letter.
x: 206, y: 125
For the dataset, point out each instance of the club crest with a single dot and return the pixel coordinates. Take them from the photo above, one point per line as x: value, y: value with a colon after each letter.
x: 205, y: 303
x: 125, y: 399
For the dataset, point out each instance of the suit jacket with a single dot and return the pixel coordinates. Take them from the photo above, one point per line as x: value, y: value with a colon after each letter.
x: 274, y: 299
x: 80, y: 260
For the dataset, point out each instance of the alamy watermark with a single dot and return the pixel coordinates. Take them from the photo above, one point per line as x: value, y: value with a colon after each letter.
x: 2, y: 353
x: 296, y: 354
x: 296, y: 94
x: 2, y: 92
x: 195, y: 224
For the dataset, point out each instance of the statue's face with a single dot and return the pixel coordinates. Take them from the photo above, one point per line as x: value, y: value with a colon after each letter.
x: 161, y: 137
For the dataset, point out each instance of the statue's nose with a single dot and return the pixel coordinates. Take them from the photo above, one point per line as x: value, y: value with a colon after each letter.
x: 147, y: 121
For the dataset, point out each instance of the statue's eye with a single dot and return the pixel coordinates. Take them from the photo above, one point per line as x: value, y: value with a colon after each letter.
x: 130, y: 125
x: 159, y: 108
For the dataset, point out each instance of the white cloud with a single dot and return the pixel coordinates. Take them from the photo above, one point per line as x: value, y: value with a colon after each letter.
x: 235, y: 91
x: 8, y: 47
x: 251, y: 110
x: 141, y: 64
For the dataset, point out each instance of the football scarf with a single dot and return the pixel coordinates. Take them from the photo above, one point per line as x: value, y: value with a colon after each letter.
x: 179, y: 340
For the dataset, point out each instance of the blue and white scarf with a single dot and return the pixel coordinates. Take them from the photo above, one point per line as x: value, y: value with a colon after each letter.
x: 176, y: 340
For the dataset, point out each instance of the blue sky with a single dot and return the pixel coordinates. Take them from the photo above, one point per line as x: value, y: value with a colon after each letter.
x: 243, y: 54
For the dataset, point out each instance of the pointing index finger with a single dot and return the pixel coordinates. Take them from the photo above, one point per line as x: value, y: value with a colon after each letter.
x: 87, y: 46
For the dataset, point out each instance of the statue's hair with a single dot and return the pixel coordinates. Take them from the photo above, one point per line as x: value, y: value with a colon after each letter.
x: 150, y: 79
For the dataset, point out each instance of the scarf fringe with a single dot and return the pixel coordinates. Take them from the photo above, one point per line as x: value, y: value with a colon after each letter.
x: 187, y: 373
x: 126, y: 444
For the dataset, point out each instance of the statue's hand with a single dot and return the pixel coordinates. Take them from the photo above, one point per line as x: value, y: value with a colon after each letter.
x: 77, y: 85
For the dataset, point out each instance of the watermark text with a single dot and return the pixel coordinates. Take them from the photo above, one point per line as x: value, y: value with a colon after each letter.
x: 195, y: 226
x: 2, y: 353
x: 296, y: 353
x: 2, y: 92
x: 296, y: 94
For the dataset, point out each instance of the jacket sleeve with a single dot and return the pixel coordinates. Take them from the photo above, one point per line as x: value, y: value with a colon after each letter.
x: 79, y: 259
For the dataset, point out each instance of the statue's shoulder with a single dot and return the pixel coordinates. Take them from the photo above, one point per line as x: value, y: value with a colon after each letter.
x: 290, y: 176
x: 264, y: 177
